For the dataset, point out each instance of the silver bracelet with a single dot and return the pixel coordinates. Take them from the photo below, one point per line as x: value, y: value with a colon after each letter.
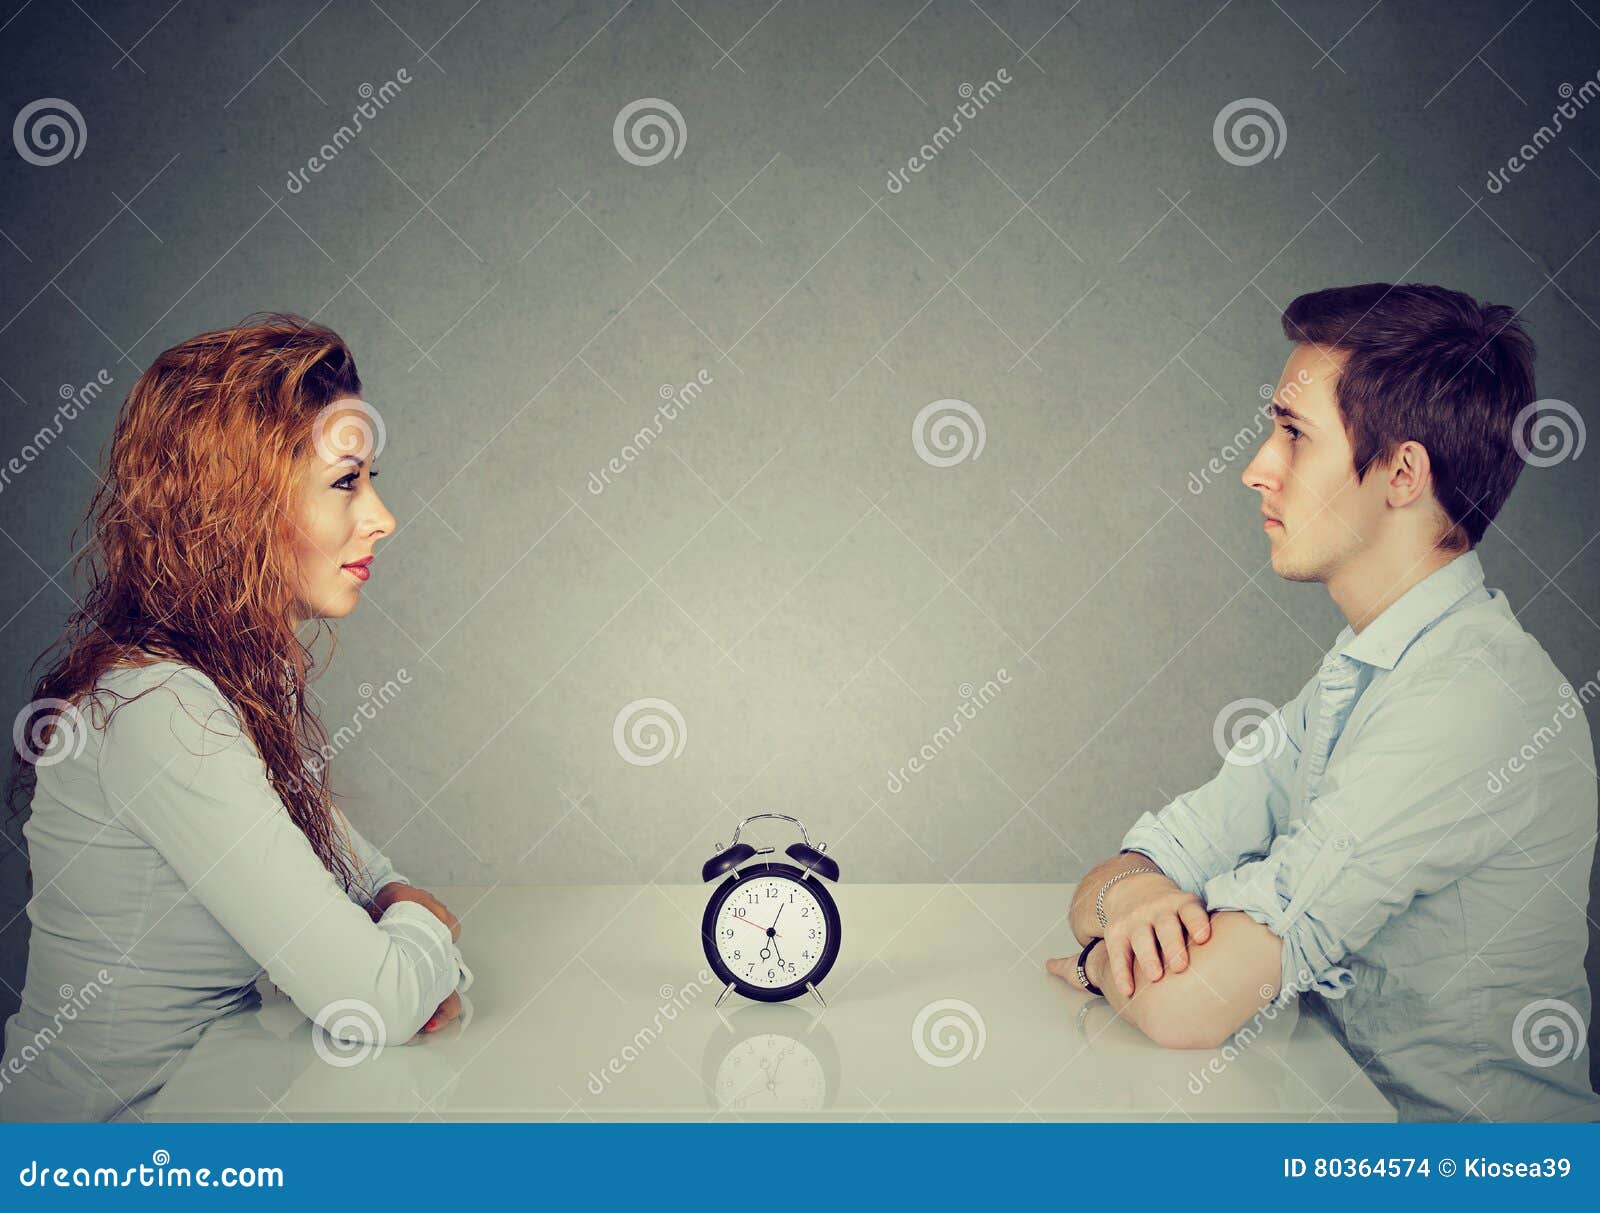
x: 1100, y: 901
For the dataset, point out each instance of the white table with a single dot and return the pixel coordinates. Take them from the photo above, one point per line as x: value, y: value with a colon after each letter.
x: 589, y: 1003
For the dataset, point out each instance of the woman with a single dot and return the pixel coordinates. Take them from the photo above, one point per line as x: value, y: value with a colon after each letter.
x: 182, y: 837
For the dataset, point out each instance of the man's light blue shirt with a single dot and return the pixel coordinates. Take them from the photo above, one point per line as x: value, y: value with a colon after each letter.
x: 1417, y: 826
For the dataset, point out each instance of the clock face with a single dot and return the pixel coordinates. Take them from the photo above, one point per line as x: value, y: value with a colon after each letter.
x: 771, y: 931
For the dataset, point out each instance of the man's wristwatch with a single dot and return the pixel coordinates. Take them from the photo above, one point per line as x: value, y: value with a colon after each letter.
x: 1082, y: 970
x: 1100, y: 900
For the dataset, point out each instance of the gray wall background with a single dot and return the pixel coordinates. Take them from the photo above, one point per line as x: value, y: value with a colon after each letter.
x: 1082, y: 265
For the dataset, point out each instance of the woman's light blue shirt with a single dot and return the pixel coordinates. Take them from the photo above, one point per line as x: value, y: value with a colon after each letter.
x: 168, y: 876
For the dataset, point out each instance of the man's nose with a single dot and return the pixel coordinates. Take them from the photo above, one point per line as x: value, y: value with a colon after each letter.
x: 1258, y: 473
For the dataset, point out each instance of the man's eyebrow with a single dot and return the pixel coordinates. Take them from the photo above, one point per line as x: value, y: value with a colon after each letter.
x: 1278, y: 410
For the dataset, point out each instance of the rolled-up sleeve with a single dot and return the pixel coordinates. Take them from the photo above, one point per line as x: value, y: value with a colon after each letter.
x: 1213, y: 828
x: 191, y: 784
x: 1404, y: 811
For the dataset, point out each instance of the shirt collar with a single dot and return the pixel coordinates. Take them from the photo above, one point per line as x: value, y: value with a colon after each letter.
x: 1382, y: 641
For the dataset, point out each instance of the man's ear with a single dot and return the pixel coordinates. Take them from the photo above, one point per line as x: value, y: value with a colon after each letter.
x: 1409, y: 474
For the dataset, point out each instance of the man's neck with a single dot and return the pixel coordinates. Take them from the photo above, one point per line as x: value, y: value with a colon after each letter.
x: 1368, y: 584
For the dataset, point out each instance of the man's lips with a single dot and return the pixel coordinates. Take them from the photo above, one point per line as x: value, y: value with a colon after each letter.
x: 1269, y: 521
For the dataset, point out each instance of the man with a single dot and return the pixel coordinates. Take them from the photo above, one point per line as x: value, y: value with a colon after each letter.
x: 1383, y: 843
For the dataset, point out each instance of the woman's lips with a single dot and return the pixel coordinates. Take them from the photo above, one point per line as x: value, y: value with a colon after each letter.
x: 359, y: 571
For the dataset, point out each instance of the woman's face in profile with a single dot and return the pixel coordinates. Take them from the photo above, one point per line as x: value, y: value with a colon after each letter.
x: 341, y: 515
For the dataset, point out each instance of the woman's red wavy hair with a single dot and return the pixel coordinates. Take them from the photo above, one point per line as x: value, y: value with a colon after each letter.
x: 191, y: 549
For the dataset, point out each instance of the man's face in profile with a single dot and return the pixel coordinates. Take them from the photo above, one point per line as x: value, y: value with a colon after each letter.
x: 1318, y: 515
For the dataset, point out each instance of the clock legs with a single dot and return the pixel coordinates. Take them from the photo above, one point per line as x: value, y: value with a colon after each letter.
x: 817, y: 994
x: 720, y: 997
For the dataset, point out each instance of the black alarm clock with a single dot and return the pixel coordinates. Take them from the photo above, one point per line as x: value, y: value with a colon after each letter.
x: 771, y: 930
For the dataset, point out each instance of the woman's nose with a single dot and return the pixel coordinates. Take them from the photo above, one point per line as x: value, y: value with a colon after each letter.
x: 381, y: 521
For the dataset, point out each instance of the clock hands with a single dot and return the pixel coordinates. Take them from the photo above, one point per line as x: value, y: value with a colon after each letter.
x: 772, y: 933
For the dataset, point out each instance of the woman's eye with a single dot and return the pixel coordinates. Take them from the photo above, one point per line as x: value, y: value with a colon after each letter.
x: 346, y: 482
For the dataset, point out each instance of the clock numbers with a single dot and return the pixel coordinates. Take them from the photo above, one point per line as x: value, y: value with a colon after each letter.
x: 771, y: 932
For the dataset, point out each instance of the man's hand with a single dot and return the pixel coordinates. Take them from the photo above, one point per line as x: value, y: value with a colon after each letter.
x: 449, y: 1009
x: 1150, y: 917
x: 400, y: 891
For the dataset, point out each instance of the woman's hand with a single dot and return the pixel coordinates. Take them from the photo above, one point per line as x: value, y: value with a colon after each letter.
x: 398, y: 890
x: 1150, y: 918
x: 449, y: 1009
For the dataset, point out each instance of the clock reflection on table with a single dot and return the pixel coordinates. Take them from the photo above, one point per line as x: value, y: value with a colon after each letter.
x: 771, y: 1057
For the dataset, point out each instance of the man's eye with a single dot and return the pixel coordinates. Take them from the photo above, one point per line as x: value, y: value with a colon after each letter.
x: 1292, y: 431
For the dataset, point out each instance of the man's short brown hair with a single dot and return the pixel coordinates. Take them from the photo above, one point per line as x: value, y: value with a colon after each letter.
x: 1433, y: 366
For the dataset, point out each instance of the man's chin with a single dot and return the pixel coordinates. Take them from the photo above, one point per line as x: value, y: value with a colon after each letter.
x: 1290, y: 569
